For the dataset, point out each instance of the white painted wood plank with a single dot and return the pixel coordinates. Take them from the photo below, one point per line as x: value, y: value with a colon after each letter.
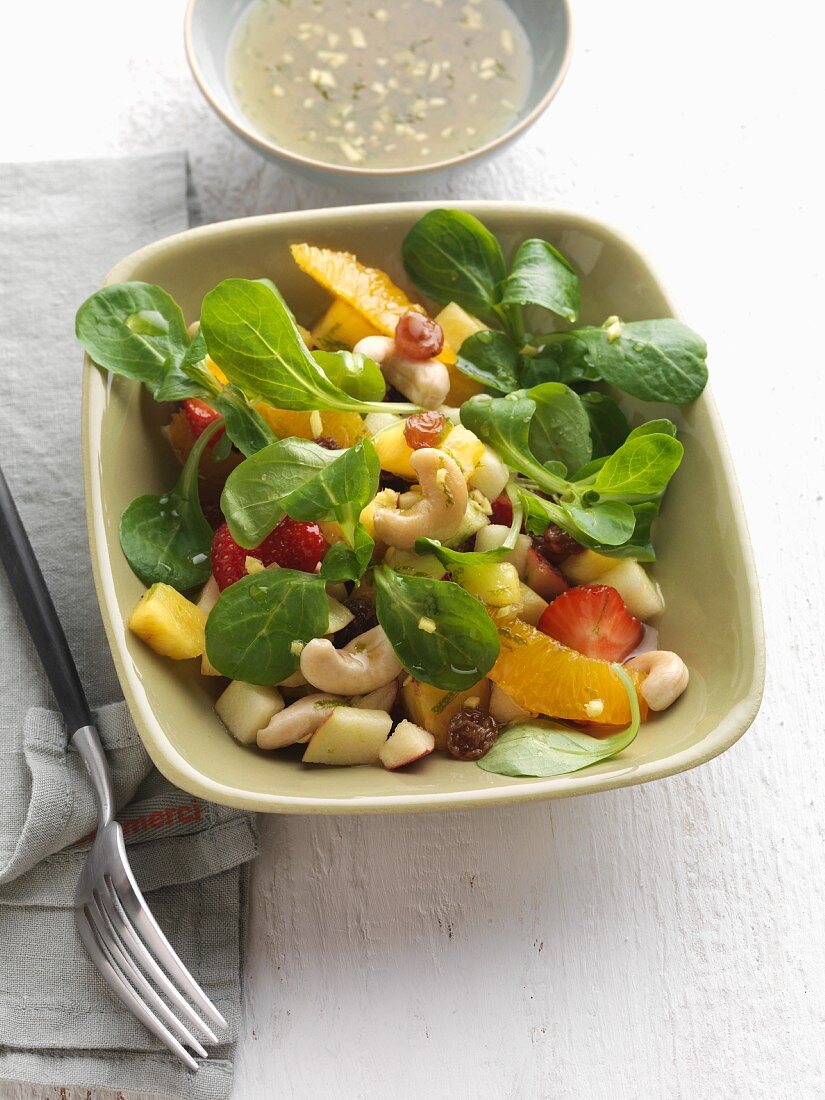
x: 663, y: 941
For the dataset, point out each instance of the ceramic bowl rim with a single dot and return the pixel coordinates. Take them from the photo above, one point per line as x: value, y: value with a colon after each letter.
x: 270, y: 148
x: 174, y: 765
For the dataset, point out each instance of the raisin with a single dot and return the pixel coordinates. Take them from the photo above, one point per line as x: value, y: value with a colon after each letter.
x: 392, y: 481
x: 424, y: 429
x: 327, y: 442
x: 470, y: 734
x: 502, y: 511
x: 417, y: 336
x: 363, y: 610
x: 556, y: 545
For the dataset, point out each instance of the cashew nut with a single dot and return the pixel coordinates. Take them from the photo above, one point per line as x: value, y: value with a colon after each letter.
x: 425, y: 382
x: 364, y: 664
x: 440, y: 510
x: 296, y: 723
x: 666, y: 679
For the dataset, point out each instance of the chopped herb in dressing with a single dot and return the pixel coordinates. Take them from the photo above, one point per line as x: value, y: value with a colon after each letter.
x: 361, y: 85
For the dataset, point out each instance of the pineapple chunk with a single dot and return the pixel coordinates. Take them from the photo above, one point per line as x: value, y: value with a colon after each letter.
x: 457, y: 325
x: 496, y: 583
x: 641, y: 594
x: 467, y: 449
x: 246, y: 708
x: 341, y: 327
x: 349, y: 736
x: 472, y: 521
x: 394, y: 452
x: 586, y: 567
x: 169, y: 623
x: 432, y: 708
x: 386, y: 498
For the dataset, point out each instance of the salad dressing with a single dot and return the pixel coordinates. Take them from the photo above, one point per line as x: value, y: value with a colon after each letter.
x: 358, y: 84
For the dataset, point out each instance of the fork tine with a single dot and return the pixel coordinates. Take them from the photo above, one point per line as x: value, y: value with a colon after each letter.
x: 135, y: 907
x: 114, y: 910
x: 106, y: 965
x: 109, y: 933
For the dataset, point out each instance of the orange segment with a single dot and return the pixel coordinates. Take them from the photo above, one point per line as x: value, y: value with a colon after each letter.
x: 368, y: 290
x: 543, y: 675
x: 344, y: 427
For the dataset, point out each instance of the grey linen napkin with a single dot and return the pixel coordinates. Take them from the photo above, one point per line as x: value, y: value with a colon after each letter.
x: 62, y: 225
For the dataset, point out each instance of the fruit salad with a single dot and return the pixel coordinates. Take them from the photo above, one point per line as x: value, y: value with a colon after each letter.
x: 419, y: 524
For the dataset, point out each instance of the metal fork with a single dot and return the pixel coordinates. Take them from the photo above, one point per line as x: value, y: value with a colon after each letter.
x: 122, y: 937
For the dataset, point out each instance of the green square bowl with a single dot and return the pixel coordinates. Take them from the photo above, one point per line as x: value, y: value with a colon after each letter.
x: 713, y: 618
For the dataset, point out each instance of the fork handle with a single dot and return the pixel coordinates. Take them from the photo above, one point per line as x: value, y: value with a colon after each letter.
x: 30, y: 591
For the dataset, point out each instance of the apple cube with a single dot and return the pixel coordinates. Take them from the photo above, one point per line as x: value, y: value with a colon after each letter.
x: 641, y: 594
x: 407, y: 743
x: 339, y: 616
x: 407, y: 561
x: 490, y: 475
x: 383, y: 698
x: 206, y: 601
x: 246, y: 708
x: 493, y: 536
x: 532, y: 605
x: 349, y: 736
x: 504, y: 709
x: 543, y: 577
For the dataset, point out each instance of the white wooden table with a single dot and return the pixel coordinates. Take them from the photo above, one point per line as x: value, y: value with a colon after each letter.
x: 662, y: 941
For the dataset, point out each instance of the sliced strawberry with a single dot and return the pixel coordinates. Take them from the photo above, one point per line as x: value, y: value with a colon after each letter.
x: 200, y: 416
x: 593, y: 619
x: 228, y: 559
x: 296, y: 545
x: 291, y: 545
x: 502, y: 511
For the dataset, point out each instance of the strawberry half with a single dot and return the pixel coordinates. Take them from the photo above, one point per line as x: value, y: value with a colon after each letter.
x: 200, y: 416
x: 593, y: 620
x: 291, y: 545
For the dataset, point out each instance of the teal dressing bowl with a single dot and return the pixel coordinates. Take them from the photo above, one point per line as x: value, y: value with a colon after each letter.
x: 209, y: 28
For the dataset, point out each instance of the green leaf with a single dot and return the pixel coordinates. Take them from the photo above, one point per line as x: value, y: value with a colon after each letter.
x: 343, y: 562
x: 462, y: 648
x: 611, y: 523
x: 167, y: 538
x: 355, y: 374
x: 654, y: 427
x: 251, y: 630
x: 458, y: 559
x: 245, y: 427
x: 608, y: 424
x: 341, y: 490
x: 541, y: 276
x: 639, y: 546
x: 491, y: 358
x: 452, y: 257
x: 296, y: 478
x: 253, y: 498
x: 253, y: 338
x: 138, y: 331
x: 640, y: 469
x: 543, y: 748
x: 503, y: 423
x: 661, y: 360
x: 560, y: 428
x: 547, y: 365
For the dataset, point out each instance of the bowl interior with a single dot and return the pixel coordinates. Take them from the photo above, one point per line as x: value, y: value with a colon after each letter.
x: 705, y: 566
x: 212, y: 23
